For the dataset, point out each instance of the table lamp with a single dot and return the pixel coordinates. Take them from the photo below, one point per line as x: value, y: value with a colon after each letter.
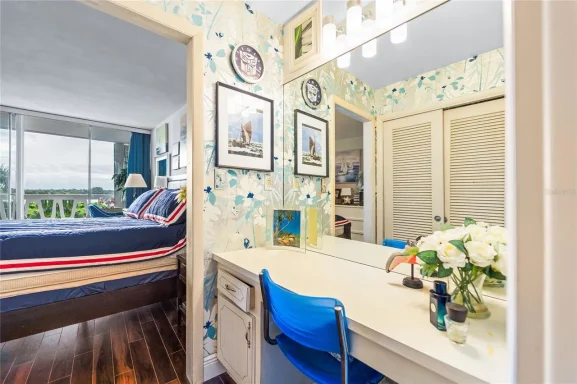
x: 346, y: 194
x: 135, y: 180
x: 160, y: 182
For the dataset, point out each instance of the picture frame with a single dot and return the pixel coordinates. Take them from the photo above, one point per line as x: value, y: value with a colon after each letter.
x: 183, y: 157
x: 302, y: 38
x: 182, y: 130
x: 348, y: 164
x: 311, y: 144
x: 288, y: 228
x: 268, y: 182
x: 175, y: 148
x: 175, y: 162
x: 161, y: 139
x: 244, y: 129
x: 162, y: 165
x: 337, y: 193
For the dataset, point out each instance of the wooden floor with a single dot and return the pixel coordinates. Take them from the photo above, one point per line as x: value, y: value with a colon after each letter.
x: 141, y: 346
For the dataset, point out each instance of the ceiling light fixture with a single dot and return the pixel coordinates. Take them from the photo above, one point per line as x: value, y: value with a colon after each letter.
x: 344, y: 60
x: 354, y: 18
x: 399, y: 34
x: 383, y: 11
x: 329, y: 34
x: 370, y: 47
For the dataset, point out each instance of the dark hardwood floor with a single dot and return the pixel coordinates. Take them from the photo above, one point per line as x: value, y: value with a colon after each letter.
x: 138, y: 346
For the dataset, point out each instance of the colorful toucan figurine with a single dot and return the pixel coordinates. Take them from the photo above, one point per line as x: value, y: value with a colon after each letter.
x: 409, y: 255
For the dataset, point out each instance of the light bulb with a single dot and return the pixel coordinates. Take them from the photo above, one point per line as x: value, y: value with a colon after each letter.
x: 344, y: 61
x: 369, y: 48
x: 354, y: 18
x: 399, y: 34
x: 383, y: 11
x: 329, y: 34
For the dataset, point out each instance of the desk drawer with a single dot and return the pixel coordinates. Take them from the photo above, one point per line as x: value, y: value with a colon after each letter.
x: 237, y: 291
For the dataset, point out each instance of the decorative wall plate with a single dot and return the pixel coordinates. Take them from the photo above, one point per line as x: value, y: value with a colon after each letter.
x: 312, y: 93
x: 247, y: 63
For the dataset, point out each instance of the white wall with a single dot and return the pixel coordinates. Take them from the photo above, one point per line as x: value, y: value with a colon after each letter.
x: 350, y: 143
x: 173, y: 137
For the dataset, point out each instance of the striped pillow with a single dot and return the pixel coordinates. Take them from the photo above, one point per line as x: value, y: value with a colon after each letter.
x: 141, y: 204
x: 166, y: 209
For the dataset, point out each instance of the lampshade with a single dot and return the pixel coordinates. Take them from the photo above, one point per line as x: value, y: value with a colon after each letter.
x: 369, y: 48
x: 346, y: 192
x: 160, y: 182
x: 135, y: 180
x: 383, y: 11
x: 344, y: 60
x: 329, y: 34
x: 354, y: 18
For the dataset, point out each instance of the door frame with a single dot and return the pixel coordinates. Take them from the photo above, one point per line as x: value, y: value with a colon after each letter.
x: 179, y: 29
x: 369, y: 126
x: 474, y: 98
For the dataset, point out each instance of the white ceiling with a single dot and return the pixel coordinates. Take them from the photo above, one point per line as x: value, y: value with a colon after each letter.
x: 279, y: 11
x: 66, y: 58
x: 457, y: 30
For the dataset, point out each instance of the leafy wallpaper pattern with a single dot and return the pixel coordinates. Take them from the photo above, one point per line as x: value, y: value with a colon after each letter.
x: 475, y: 74
x: 305, y: 191
x: 235, y: 217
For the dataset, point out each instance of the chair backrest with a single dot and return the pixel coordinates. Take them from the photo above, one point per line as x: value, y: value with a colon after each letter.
x: 394, y: 243
x: 310, y: 321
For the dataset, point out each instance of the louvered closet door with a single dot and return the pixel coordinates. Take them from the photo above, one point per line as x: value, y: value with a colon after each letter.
x: 475, y: 163
x: 413, y: 175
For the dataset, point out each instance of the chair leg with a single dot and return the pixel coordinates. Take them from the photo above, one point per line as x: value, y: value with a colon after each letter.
x: 343, y: 344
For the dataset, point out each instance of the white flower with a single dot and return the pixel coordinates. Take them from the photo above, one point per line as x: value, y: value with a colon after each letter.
x: 475, y: 229
x: 481, y: 254
x: 250, y: 190
x: 451, y: 234
x: 500, y: 262
x: 451, y: 256
x: 308, y: 192
x: 429, y: 243
x: 482, y: 224
x: 485, y: 237
x: 259, y: 218
x: 498, y: 233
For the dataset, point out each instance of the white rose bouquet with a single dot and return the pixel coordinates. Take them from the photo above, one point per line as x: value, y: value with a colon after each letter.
x: 467, y: 254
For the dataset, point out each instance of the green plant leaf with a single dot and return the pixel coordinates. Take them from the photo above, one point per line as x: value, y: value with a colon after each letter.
x: 411, y: 251
x: 212, y: 66
x: 469, y: 221
x: 232, y: 173
x: 444, y: 272
x: 428, y: 270
x: 420, y: 84
x: 212, y: 198
x: 460, y: 245
x: 432, y: 77
x: 445, y: 227
x: 494, y: 274
x: 429, y: 257
x: 468, y: 267
x: 197, y: 20
x: 221, y: 53
x: 232, y: 182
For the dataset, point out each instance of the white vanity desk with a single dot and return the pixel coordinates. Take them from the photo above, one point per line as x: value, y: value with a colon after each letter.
x: 389, y: 323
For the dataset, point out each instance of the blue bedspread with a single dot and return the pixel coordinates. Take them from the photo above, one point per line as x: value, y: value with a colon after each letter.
x: 38, y: 245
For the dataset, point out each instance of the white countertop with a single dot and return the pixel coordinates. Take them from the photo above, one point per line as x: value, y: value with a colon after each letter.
x: 380, y: 308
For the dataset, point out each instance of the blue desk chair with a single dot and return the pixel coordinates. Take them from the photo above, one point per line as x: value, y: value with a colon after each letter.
x: 394, y: 243
x: 96, y: 212
x: 313, y: 328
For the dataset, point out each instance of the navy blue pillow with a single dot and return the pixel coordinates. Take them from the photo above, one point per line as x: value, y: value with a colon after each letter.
x: 141, y: 204
x: 166, y: 209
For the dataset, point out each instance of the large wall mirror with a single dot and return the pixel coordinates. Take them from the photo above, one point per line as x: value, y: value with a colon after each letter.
x: 411, y: 126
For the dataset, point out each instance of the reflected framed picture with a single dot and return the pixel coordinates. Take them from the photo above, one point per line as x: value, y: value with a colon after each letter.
x: 162, y: 165
x: 182, y: 130
x: 348, y: 164
x: 244, y: 129
x: 161, y: 139
x: 175, y: 162
x: 311, y: 145
x: 287, y: 228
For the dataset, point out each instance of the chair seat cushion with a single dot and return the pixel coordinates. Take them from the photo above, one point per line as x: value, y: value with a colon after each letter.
x: 321, y: 367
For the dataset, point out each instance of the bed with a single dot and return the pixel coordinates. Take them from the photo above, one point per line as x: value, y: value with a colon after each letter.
x: 60, y: 272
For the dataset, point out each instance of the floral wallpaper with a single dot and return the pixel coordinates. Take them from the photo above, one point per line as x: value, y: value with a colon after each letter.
x: 477, y: 73
x: 302, y: 191
x: 234, y: 217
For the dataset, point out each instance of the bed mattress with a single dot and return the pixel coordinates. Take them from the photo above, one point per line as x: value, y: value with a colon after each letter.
x: 32, y: 282
x: 41, y: 245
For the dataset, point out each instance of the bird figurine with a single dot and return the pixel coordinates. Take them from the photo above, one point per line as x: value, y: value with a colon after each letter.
x: 409, y: 255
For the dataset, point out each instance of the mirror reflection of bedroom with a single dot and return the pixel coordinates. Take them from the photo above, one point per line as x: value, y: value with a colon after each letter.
x: 93, y: 160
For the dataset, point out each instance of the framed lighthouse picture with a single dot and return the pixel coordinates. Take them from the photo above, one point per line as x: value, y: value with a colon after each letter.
x: 311, y: 145
x: 244, y: 129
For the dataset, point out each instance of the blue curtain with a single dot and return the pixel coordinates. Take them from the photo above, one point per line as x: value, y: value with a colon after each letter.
x: 138, y: 162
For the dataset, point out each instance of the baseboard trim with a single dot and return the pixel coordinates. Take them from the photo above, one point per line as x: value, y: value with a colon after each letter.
x: 212, y: 367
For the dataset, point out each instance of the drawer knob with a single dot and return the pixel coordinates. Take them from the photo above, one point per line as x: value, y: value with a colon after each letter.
x: 229, y: 288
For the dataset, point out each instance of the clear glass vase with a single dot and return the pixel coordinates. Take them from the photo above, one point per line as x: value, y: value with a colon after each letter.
x: 468, y: 291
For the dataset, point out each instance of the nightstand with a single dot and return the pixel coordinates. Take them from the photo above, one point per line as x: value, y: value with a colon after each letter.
x: 181, y: 288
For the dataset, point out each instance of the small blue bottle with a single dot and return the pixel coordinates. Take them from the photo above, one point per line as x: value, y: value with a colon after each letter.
x: 438, y: 305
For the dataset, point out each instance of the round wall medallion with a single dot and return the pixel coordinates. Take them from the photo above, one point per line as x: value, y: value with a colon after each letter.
x: 312, y: 93
x: 247, y: 63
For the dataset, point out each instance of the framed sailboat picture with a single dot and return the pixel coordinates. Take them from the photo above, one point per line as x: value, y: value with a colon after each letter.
x: 244, y: 129
x: 311, y: 145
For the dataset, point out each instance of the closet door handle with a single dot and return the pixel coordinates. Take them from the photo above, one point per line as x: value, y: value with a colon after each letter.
x: 229, y: 288
x: 437, y: 219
